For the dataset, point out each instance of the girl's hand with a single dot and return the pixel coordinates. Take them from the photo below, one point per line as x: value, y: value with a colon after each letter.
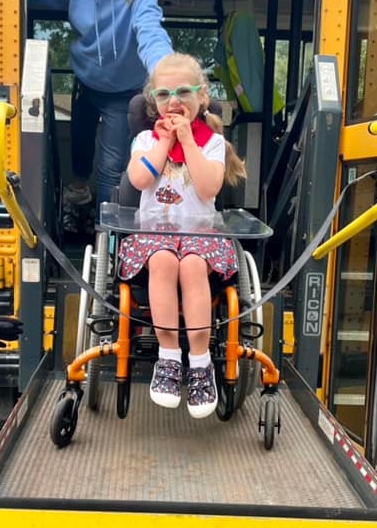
x: 164, y: 129
x: 181, y: 125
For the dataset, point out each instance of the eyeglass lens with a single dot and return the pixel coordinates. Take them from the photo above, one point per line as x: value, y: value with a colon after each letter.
x: 182, y: 93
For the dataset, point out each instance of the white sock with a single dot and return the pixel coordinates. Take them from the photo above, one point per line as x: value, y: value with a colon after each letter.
x: 200, y: 361
x: 170, y: 353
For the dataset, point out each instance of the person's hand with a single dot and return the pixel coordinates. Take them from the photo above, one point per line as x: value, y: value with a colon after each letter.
x: 181, y: 125
x: 10, y: 329
x: 164, y: 129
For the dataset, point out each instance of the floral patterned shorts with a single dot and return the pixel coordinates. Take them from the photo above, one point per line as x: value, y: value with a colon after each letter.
x: 135, y: 250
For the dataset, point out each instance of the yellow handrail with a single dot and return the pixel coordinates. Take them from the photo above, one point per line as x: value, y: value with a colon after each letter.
x: 7, y: 111
x: 372, y: 128
x: 349, y: 231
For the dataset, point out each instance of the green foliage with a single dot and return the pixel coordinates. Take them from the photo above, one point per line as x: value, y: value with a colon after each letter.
x: 60, y: 36
x: 199, y: 42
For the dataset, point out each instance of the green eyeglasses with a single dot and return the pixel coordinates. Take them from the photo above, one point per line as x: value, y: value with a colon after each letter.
x: 184, y: 94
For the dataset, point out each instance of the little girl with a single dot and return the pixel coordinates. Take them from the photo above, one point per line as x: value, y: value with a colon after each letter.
x: 180, y: 167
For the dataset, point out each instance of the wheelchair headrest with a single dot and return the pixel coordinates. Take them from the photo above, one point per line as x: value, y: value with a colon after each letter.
x: 139, y: 120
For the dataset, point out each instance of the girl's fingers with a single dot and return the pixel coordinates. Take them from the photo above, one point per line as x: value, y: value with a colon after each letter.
x: 186, y: 112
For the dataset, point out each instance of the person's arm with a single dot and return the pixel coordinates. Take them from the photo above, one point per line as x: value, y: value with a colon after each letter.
x: 146, y: 164
x: 153, y: 41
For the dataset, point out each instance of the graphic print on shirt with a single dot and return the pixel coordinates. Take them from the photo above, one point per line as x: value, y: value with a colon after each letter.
x: 168, y: 194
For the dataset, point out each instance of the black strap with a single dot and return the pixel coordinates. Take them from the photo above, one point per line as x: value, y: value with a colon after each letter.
x: 58, y: 255
x: 68, y: 267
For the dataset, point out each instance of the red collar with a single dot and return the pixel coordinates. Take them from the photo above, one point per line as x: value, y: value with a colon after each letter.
x: 202, y: 134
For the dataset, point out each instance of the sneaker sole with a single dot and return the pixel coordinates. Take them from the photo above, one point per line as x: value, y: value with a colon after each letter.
x: 202, y: 411
x: 165, y: 400
x: 79, y: 202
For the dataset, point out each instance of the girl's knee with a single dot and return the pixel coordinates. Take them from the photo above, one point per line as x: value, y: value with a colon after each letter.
x: 163, y: 261
x: 193, y: 268
x: 193, y: 264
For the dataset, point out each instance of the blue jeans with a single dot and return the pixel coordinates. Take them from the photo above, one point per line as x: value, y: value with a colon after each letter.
x: 89, y: 107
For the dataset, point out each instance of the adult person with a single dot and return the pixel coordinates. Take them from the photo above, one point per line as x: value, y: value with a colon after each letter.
x: 117, y: 46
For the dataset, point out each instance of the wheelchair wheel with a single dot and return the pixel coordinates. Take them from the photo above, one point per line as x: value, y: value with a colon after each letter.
x: 232, y: 397
x: 100, y: 285
x: 257, y: 317
x: 84, y: 302
x: 244, y: 364
x: 226, y: 393
x: 64, y: 421
x: 123, y: 397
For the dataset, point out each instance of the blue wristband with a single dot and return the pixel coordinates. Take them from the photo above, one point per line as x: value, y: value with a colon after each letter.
x: 149, y: 166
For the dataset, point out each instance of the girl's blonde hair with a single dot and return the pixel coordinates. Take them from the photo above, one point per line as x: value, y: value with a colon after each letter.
x: 234, y: 166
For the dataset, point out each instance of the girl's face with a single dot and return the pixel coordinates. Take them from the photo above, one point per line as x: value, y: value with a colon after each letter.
x: 175, y: 90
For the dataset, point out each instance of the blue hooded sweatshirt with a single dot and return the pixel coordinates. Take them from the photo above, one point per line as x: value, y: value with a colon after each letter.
x: 119, y: 41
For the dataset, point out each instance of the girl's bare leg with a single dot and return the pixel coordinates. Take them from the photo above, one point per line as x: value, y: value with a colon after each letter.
x: 196, y: 305
x: 196, y: 301
x: 165, y: 387
x: 163, y: 296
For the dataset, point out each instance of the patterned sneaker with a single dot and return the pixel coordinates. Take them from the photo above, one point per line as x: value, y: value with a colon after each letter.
x: 77, y: 196
x: 201, y: 391
x: 165, y: 388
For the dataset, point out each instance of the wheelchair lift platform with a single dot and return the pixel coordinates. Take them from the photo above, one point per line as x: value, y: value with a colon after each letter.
x: 165, y: 455
x: 162, y: 460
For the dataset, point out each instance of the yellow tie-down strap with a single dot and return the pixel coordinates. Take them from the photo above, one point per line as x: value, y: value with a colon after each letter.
x: 7, y: 111
x: 62, y: 519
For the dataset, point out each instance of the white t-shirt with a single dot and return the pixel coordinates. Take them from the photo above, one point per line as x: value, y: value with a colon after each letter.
x: 173, y: 193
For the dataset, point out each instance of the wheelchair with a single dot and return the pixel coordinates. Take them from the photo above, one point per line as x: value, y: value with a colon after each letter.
x: 127, y: 333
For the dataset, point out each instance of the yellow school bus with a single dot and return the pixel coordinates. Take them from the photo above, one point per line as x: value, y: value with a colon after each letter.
x: 309, y: 141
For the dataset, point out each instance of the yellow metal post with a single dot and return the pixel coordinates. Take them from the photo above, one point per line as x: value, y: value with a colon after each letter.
x: 6, y: 192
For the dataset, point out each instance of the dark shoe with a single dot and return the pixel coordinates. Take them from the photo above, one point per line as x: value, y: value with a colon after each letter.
x: 201, y: 391
x: 77, y: 196
x: 71, y: 218
x: 165, y: 388
x: 78, y: 219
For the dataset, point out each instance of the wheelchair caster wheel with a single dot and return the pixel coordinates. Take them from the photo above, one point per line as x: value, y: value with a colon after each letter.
x: 269, y: 419
x: 269, y: 424
x: 64, y: 420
